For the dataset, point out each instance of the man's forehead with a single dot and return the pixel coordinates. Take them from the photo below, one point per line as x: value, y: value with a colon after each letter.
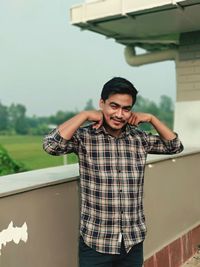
x: 121, y: 99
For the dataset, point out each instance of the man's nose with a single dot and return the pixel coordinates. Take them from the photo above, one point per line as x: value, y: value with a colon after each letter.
x: 119, y: 113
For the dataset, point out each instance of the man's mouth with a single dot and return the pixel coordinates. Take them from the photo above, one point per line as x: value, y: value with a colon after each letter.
x: 117, y: 120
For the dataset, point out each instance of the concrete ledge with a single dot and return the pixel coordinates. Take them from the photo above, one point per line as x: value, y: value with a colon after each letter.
x: 26, y: 181
x: 100, y: 9
x: 187, y: 151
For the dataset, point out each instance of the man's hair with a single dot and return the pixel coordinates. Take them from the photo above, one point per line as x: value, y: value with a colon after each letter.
x: 118, y: 85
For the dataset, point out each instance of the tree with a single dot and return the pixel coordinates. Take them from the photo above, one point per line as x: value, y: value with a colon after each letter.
x: 8, y: 165
x: 166, y: 104
x: 13, y: 119
x: 3, y: 117
x: 146, y: 106
x: 61, y: 116
x: 89, y: 105
x: 164, y: 111
x: 17, y: 118
x: 166, y: 108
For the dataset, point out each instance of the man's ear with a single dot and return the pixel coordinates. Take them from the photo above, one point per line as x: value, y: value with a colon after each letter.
x: 101, y: 103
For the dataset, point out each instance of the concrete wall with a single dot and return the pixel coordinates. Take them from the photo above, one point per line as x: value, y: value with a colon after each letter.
x: 171, y: 202
x: 51, y: 214
x: 187, y: 110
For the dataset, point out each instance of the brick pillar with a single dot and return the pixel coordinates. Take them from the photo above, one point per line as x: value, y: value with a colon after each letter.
x: 187, y: 109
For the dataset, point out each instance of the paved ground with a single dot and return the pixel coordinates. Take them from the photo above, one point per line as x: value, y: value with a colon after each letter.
x: 194, y: 261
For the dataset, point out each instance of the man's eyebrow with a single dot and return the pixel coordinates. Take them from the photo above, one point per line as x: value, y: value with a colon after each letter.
x: 120, y: 105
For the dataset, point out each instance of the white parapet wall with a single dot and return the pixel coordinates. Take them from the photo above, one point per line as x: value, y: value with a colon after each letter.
x: 187, y: 122
x: 187, y: 109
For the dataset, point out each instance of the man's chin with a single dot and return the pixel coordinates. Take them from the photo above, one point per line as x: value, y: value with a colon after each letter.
x: 117, y: 127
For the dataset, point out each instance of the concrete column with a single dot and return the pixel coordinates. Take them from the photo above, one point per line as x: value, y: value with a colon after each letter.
x: 187, y: 109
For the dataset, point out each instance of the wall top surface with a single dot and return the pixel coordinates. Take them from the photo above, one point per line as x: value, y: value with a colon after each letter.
x: 22, y: 182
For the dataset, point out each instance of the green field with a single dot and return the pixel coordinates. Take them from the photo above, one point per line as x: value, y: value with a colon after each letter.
x: 28, y: 150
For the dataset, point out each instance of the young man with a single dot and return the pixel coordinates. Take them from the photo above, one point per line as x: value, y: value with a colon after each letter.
x: 112, y: 153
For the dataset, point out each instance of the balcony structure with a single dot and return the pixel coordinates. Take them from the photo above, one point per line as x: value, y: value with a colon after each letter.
x: 39, y: 222
x: 167, y: 30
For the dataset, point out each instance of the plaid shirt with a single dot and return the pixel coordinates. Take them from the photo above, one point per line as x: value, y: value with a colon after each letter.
x: 111, y: 182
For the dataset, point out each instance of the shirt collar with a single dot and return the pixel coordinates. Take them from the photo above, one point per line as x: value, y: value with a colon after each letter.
x: 126, y: 130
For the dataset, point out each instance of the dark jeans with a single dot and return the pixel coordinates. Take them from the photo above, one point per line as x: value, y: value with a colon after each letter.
x: 88, y: 257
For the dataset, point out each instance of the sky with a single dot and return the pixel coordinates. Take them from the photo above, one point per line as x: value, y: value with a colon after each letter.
x: 47, y: 64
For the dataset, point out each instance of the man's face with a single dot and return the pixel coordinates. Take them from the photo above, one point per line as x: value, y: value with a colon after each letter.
x: 117, y: 111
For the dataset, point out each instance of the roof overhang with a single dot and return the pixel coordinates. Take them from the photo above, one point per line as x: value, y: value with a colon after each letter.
x: 153, y: 25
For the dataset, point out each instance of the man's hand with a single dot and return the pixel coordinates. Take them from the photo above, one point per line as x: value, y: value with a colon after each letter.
x: 95, y: 116
x: 68, y: 128
x: 161, y: 128
x: 138, y: 117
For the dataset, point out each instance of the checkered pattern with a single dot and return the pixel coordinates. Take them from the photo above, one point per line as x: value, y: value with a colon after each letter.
x: 111, y: 182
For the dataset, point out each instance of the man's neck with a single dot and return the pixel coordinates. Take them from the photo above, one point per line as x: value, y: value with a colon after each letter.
x: 116, y: 133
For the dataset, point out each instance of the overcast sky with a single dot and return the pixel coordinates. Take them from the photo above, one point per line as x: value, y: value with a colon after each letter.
x: 49, y: 65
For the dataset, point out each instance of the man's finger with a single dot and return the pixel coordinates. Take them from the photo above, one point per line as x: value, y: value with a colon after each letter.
x: 97, y: 125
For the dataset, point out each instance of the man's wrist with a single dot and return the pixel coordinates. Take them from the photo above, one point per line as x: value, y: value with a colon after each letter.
x: 85, y: 115
x: 152, y: 119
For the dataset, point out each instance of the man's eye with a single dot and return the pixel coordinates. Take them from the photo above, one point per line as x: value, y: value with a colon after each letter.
x: 126, y: 109
x: 113, y: 106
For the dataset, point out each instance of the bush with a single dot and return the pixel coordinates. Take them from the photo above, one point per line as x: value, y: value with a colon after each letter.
x: 8, y: 165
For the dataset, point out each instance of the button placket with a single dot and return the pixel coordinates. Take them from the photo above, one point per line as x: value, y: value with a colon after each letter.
x: 119, y: 184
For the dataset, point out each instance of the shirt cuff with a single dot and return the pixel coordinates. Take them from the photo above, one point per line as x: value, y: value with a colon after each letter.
x: 172, y: 140
x: 58, y: 138
x: 173, y: 144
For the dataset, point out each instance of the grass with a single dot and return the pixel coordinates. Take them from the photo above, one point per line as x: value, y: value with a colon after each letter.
x: 28, y: 150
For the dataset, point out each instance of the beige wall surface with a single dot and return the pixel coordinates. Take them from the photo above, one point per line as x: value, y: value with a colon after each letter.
x: 52, y: 215
x: 171, y: 200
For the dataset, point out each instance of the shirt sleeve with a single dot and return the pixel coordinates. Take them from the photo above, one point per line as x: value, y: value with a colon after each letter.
x: 154, y: 144
x: 55, y: 144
